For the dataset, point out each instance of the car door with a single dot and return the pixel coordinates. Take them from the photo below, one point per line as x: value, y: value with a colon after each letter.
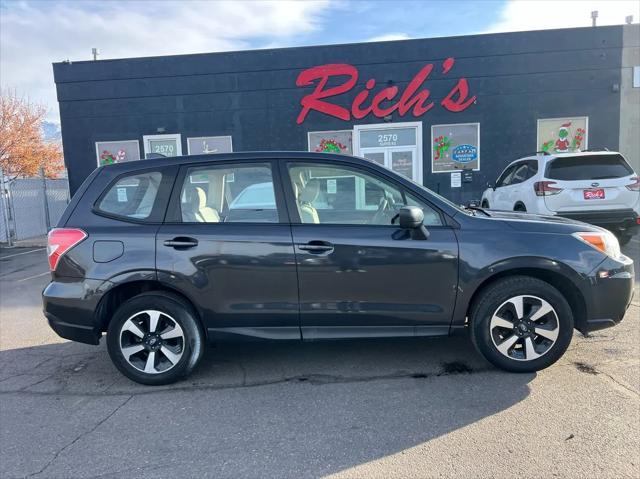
x: 499, y: 197
x: 513, y: 191
x: 359, y: 274
x: 226, y: 244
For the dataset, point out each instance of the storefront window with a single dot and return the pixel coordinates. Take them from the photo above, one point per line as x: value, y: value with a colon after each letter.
x: 560, y: 135
x: 455, y: 147
x: 203, y: 145
x: 337, y: 141
x: 109, y: 152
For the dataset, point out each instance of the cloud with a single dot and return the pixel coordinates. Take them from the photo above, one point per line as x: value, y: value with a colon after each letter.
x: 521, y: 15
x: 35, y: 34
x: 388, y: 37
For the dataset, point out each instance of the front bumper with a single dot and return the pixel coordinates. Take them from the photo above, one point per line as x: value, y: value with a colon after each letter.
x: 70, y: 306
x: 622, y: 219
x: 608, y: 294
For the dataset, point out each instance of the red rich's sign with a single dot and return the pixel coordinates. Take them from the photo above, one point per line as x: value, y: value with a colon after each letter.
x: 384, y: 102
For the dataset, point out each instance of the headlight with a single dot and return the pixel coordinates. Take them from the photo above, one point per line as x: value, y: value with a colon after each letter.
x: 605, y: 242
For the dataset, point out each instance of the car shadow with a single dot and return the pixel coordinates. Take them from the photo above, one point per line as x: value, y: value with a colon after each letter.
x: 287, y: 409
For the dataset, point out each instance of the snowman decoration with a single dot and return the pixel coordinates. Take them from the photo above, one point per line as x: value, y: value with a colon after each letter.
x: 562, y: 143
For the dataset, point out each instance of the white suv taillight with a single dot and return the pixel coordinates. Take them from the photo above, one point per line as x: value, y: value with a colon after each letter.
x: 635, y: 186
x: 544, y: 188
x: 61, y: 240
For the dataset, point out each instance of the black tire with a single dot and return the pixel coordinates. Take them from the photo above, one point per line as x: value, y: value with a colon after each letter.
x: 191, y: 343
x: 499, y: 293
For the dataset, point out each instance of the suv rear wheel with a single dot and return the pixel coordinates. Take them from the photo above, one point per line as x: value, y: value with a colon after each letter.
x: 154, y: 338
x: 521, y: 324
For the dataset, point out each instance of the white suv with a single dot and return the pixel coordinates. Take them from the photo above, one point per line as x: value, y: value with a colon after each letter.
x: 597, y: 187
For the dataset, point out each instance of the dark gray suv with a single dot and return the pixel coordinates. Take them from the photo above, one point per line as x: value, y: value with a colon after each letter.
x: 164, y: 255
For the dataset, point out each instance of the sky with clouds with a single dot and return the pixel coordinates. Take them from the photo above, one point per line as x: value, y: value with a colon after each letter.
x: 33, y: 34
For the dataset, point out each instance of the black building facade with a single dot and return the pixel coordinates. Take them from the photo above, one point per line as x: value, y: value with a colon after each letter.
x: 448, y: 112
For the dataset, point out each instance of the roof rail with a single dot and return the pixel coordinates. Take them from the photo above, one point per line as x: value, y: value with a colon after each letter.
x: 545, y: 153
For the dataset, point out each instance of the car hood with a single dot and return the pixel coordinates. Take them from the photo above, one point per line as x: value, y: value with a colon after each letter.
x: 551, y: 224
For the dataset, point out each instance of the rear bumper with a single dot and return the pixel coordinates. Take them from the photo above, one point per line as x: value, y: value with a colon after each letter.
x: 622, y: 219
x: 70, y: 305
x: 74, y: 332
x: 608, y: 294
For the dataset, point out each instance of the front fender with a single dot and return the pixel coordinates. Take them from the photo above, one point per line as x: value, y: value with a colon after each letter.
x: 517, y: 265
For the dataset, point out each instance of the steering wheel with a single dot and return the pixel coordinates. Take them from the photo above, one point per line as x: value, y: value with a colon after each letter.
x: 383, y: 207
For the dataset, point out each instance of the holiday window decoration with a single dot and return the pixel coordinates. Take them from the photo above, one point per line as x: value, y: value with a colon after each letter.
x: 110, y: 152
x: 339, y: 141
x: 455, y: 147
x: 562, y: 135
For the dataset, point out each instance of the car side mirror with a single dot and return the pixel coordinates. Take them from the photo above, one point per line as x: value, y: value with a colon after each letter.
x: 491, y: 185
x: 412, y: 219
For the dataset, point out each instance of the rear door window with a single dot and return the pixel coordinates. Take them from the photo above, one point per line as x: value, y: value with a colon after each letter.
x: 519, y: 174
x: 224, y: 193
x: 590, y: 167
x: 132, y: 196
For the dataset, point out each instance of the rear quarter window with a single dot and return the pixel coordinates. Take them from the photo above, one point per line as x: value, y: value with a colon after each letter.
x: 591, y: 167
x: 132, y: 196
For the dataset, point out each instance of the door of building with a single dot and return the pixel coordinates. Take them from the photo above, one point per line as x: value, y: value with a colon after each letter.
x: 397, y: 147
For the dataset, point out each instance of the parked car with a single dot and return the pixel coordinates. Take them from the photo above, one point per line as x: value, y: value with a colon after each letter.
x: 597, y: 187
x: 145, y: 252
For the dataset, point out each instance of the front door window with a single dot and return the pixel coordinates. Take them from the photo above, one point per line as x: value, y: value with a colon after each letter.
x: 344, y: 195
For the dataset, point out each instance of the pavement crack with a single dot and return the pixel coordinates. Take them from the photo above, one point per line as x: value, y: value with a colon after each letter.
x: 635, y: 393
x: 80, y: 436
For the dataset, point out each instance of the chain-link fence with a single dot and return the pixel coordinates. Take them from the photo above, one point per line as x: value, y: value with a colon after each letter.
x: 30, y: 207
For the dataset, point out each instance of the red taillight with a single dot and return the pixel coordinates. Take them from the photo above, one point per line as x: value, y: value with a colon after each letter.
x: 544, y: 188
x: 61, y: 240
x: 635, y: 186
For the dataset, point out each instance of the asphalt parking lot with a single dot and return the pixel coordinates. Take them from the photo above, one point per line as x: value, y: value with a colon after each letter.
x: 410, y: 408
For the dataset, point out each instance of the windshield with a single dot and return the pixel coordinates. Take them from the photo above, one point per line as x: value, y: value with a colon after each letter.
x: 440, y: 197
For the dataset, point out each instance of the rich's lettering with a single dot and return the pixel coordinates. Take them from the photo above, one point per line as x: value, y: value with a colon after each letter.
x: 414, y: 98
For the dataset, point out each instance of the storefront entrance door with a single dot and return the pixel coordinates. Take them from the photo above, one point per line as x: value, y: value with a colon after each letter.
x: 397, y: 147
x: 401, y: 160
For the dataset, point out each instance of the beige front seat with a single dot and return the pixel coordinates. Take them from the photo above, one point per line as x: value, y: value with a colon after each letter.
x: 205, y: 214
x: 308, y: 213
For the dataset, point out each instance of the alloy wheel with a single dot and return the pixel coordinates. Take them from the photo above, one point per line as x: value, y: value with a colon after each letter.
x: 152, y: 341
x: 524, y: 328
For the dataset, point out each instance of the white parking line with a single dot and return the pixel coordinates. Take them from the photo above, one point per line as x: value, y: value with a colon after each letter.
x: 32, y: 277
x: 24, y: 252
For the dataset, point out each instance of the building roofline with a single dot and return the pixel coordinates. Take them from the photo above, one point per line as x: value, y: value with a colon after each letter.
x: 325, y: 45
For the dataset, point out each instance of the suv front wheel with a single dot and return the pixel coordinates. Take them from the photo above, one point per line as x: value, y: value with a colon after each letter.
x: 521, y: 324
x: 154, y: 338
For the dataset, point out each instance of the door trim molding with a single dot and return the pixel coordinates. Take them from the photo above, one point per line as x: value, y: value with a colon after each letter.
x: 311, y: 333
